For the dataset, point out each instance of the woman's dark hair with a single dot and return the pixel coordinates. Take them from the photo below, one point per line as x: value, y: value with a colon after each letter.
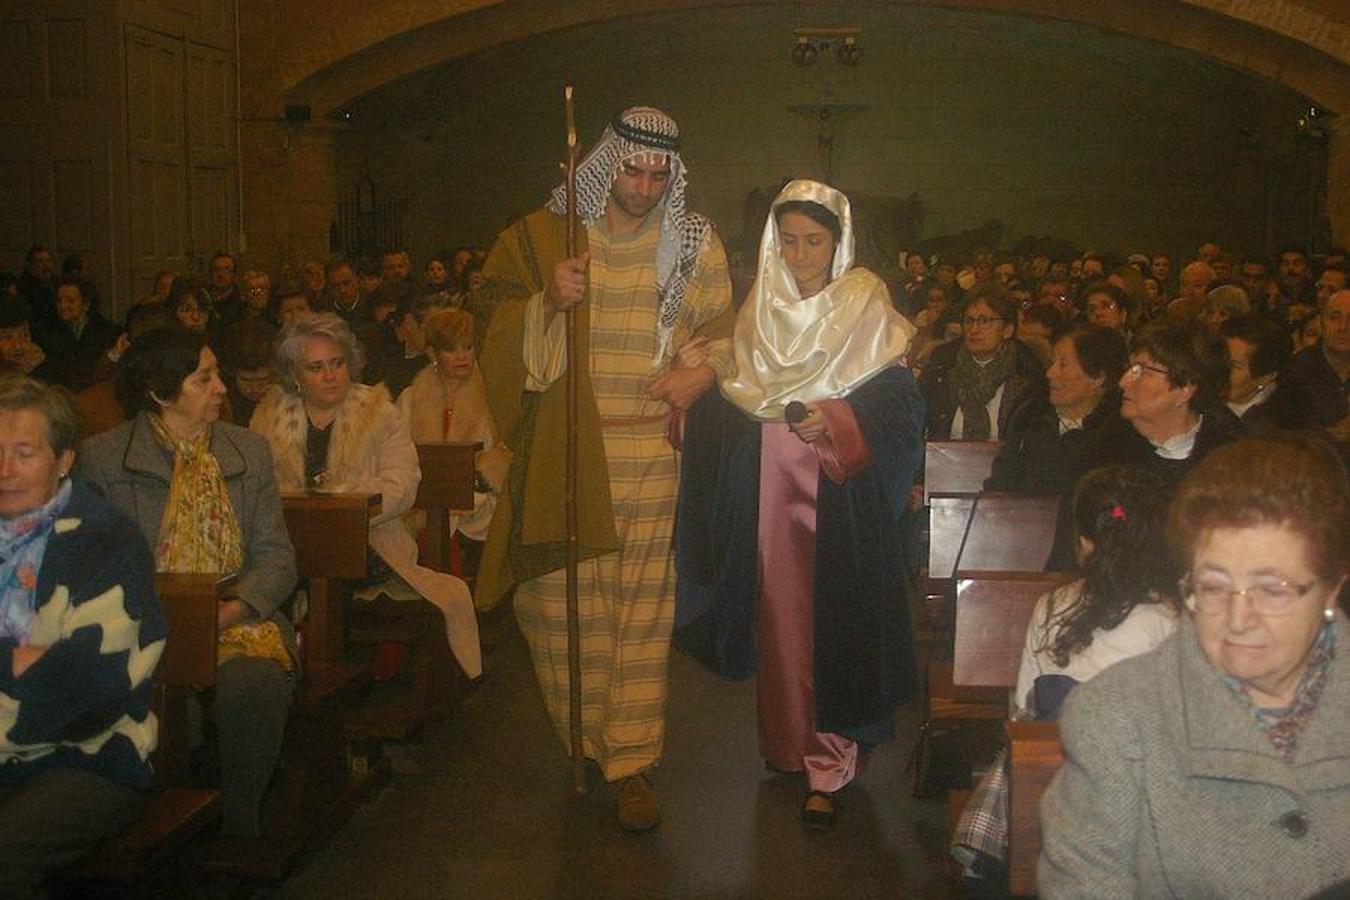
x: 1047, y: 316
x: 1270, y: 344
x: 1118, y: 296
x: 1122, y: 511
x: 1191, y: 354
x: 996, y: 297
x: 813, y: 211
x: 1101, y: 353
x: 156, y: 363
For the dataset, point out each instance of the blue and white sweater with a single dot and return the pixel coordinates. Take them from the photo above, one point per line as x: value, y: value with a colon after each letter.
x: 86, y: 702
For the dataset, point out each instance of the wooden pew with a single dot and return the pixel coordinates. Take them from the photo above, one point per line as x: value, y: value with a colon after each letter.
x: 177, y: 813
x: 993, y: 610
x: 325, y: 773
x: 331, y: 536
x: 447, y: 487
x: 1034, y: 755
x: 448, y: 477
x: 956, y: 468
x: 990, y: 533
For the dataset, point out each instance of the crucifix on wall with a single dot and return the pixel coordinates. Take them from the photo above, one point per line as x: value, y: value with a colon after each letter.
x: 827, y: 116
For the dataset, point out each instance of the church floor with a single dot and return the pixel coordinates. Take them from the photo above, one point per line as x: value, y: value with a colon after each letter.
x: 482, y: 808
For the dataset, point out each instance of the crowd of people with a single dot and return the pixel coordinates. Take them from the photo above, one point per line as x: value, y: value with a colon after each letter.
x: 748, y: 468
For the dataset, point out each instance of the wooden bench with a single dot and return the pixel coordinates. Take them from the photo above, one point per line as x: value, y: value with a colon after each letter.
x: 176, y: 813
x: 323, y: 774
x: 1034, y: 756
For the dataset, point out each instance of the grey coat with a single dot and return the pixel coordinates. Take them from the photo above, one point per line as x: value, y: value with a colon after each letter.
x: 133, y: 471
x: 1169, y: 789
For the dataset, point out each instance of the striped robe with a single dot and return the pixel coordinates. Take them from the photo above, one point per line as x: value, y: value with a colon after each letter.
x: 626, y: 598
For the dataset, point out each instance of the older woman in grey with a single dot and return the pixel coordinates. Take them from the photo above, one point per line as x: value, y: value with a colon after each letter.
x: 328, y: 432
x: 203, y: 494
x: 1218, y: 765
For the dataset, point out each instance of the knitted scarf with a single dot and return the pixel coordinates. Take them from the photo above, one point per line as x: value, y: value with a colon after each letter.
x: 23, y: 543
x: 975, y: 386
x: 1281, y: 726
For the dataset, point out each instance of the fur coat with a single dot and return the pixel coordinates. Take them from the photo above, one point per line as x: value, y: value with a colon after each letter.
x: 372, y: 451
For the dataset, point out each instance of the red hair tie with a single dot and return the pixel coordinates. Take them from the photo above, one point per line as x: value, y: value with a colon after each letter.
x: 1118, y: 512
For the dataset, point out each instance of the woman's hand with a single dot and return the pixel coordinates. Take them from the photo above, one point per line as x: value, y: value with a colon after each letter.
x: 680, y: 387
x: 230, y: 613
x: 693, y: 354
x: 24, y: 657
x: 813, y: 427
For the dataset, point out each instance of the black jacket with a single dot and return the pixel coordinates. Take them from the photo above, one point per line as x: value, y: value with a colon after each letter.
x: 1026, y: 384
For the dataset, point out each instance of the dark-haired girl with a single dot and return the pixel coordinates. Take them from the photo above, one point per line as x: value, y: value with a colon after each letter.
x: 1121, y: 606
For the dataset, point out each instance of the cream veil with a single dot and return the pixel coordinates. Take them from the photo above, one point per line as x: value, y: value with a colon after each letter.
x: 787, y: 348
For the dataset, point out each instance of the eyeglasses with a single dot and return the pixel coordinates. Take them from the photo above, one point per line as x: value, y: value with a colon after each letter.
x: 981, y: 321
x: 1137, y: 370
x: 1271, y: 597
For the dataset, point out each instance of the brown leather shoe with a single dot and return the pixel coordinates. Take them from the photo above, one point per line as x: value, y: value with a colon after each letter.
x: 638, y: 809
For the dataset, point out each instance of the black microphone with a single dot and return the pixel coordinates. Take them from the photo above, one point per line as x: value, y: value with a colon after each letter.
x: 795, y: 412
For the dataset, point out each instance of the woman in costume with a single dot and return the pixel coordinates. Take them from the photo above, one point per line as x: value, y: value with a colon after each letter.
x: 804, y: 581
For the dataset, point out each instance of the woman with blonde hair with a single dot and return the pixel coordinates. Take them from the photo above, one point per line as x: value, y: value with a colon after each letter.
x: 447, y: 403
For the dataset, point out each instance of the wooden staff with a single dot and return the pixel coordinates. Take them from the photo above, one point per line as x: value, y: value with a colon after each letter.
x: 570, y: 491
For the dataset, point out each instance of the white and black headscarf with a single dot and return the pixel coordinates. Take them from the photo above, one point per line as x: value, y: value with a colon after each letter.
x: 638, y: 131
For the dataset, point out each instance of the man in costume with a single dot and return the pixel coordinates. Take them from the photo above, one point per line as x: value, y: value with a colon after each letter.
x: 653, y: 312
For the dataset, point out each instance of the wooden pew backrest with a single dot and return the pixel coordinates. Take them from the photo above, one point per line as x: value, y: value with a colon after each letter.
x: 993, y: 610
x: 448, y: 476
x: 990, y: 533
x: 326, y: 528
x: 1034, y: 755
x: 957, y: 468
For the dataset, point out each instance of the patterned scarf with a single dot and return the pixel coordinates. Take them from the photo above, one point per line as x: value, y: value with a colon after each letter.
x: 200, y: 533
x: 1282, y: 725
x: 636, y: 131
x: 23, y: 543
x: 976, y: 385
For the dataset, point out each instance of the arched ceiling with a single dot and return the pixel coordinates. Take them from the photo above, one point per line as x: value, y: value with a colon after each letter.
x: 348, y: 48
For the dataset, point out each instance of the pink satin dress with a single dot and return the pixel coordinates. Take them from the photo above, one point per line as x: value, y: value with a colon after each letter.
x: 789, y: 471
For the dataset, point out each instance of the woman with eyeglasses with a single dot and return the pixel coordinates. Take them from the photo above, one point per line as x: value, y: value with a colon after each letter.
x: 972, y: 386
x: 1217, y: 764
x: 1172, y: 410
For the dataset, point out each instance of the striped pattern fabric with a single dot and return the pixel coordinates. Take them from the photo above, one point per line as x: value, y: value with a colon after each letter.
x: 626, y: 598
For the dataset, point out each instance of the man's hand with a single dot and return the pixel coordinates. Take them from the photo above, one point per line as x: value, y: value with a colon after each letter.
x: 568, y: 285
x: 813, y: 427
x: 24, y: 657
x: 680, y: 387
x: 230, y: 613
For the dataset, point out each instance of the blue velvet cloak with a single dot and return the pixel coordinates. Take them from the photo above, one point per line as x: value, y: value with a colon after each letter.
x: 864, y: 650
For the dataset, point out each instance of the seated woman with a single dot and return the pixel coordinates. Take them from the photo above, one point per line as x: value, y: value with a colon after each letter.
x: 788, y: 541
x: 1216, y: 765
x: 1121, y: 606
x: 1171, y: 409
x: 446, y: 403
x: 80, y: 635
x: 330, y: 433
x: 204, y: 497
x: 79, y: 344
x: 972, y: 386
x: 1047, y: 438
x: 1258, y: 351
